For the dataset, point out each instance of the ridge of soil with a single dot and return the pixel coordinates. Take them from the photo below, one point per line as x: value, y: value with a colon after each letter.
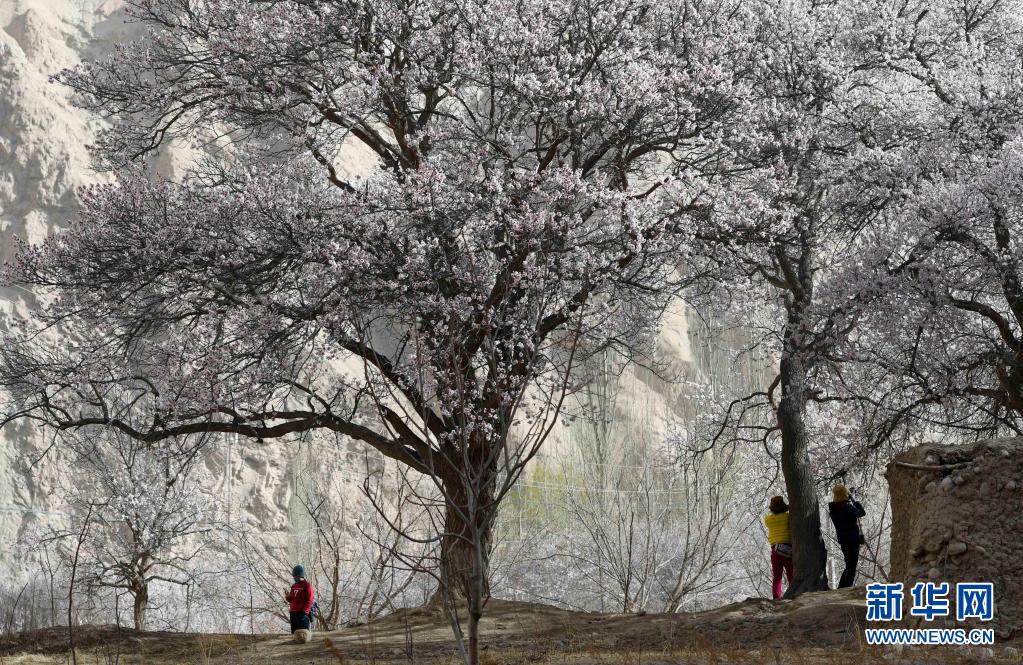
x: 814, y: 628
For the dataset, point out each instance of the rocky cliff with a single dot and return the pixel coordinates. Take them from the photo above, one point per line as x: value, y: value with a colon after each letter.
x: 43, y: 158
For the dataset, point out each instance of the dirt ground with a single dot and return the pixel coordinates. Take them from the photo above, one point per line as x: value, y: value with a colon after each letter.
x: 821, y: 627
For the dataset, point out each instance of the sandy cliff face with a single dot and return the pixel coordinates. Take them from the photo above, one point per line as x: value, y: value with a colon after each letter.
x: 42, y: 139
x: 43, y: 158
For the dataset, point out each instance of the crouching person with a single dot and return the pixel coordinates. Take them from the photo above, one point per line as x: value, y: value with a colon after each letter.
x: 301, y: 599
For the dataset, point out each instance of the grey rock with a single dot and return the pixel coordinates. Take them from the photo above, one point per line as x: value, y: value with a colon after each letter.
x: 957, y: 548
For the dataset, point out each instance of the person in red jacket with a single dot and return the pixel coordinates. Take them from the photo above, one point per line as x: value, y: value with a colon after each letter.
x: 300, y: 600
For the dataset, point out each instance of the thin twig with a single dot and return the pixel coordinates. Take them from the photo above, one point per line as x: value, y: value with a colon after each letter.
x: 931, y: 467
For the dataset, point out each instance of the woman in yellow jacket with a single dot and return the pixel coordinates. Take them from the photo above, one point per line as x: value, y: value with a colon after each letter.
x: 777, y: 522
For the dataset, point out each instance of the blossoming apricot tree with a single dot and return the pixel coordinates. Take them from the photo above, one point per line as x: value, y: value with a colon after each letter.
x: 526, y: 203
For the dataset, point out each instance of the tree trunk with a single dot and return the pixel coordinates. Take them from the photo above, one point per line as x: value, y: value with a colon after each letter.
x: 141, y: 596
x: 465, y: 556
x: 809, y: 554
x: 474, y: 638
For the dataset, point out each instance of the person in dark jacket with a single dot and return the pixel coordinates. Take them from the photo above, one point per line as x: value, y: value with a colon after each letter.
x: 845, y: 511
x: 300, y: 600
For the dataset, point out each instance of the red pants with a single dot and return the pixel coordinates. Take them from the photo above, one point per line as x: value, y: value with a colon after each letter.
x: 778, y: 563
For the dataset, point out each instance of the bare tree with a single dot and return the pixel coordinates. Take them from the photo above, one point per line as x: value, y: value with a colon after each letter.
x: 705, y: 534
x: 358, y: 574
x: 348, y: 543
x: 81, y: 535
x: 634, y: 525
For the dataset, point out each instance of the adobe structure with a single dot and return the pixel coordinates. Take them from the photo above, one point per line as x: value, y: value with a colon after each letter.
x: 957, y: 516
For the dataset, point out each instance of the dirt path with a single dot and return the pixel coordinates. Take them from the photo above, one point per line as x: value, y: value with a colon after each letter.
x: 816, y: 628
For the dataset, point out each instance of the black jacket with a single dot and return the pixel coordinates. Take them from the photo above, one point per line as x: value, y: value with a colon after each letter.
x: 843, y: 516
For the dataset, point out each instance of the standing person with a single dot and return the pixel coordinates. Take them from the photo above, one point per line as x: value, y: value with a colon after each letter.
x: 778, y: 536
x: 845, y: 511
x: 300, y: 600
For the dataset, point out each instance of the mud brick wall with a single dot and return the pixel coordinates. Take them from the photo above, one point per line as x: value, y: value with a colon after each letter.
x: 957, y: 516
